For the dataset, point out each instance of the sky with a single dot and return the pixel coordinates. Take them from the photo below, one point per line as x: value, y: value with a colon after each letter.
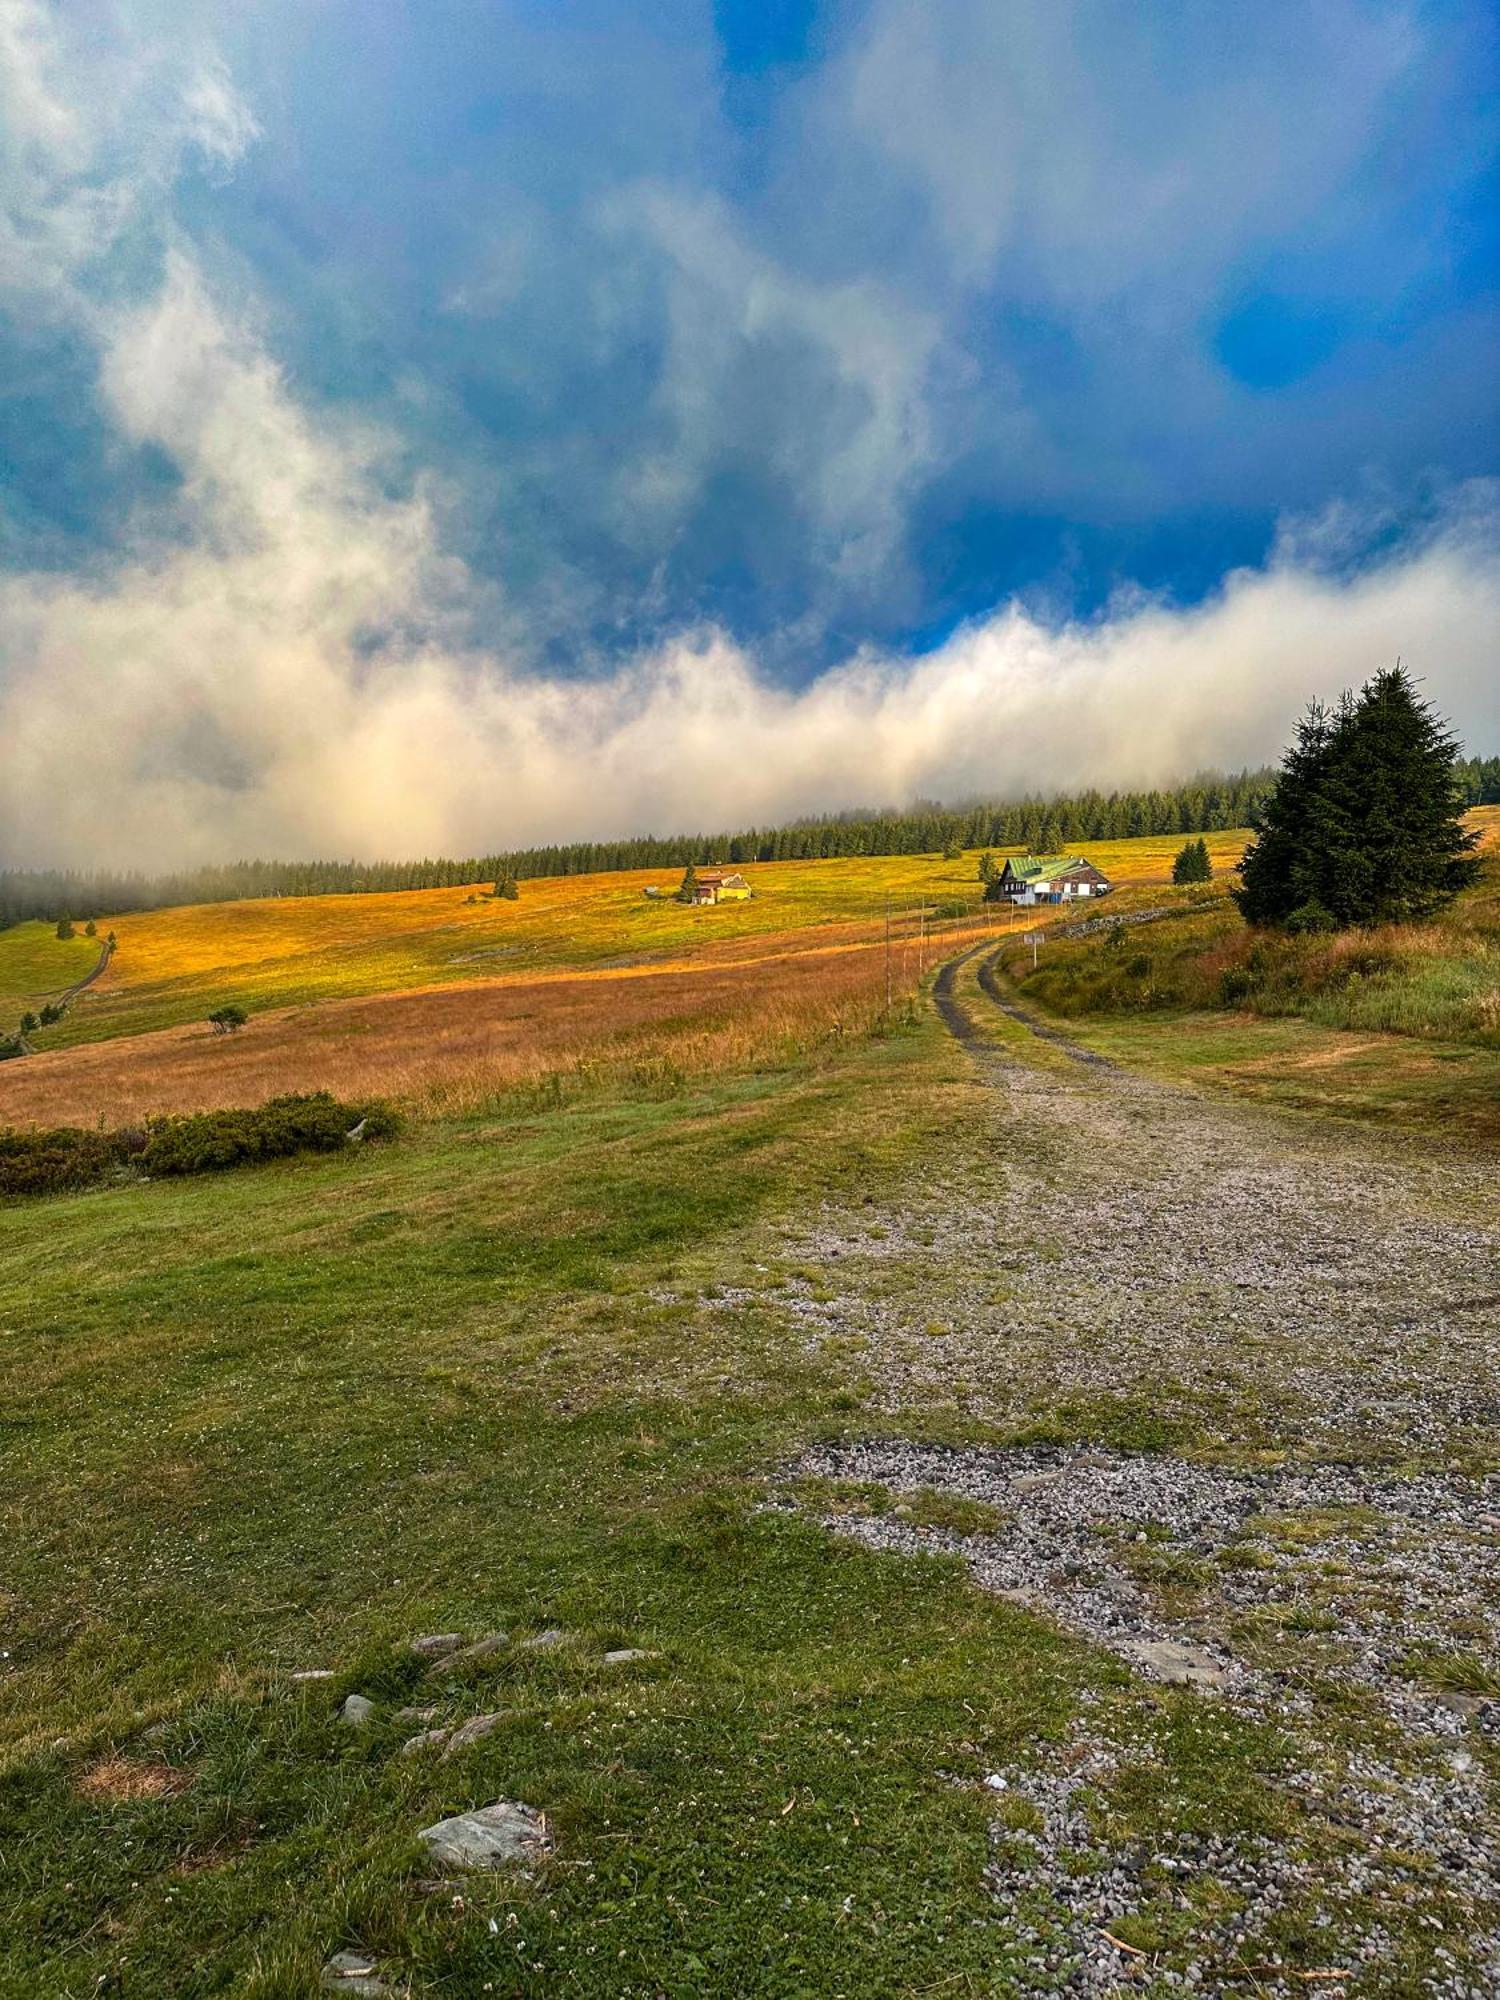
x: 438, y: 427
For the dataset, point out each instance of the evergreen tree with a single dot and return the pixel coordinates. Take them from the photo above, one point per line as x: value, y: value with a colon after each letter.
x: 1275, y: 877
x: 65, y: 926
x: 1192, y: 863
x: 687, y: 891
x: 1365, y: 825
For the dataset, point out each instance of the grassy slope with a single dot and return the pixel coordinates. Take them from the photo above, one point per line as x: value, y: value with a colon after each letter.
x: 174, y: 965
x: 284, y: 1418
x: 1399, y: 1025
x: 36, y: 963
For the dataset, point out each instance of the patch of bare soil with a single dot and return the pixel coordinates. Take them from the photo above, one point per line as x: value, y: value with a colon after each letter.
x: 126, y: 1780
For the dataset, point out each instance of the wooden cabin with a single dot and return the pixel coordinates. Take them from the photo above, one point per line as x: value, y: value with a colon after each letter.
x: 1049, y: 878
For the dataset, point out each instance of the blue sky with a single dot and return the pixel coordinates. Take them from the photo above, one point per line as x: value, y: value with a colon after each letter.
x: 827, y: 330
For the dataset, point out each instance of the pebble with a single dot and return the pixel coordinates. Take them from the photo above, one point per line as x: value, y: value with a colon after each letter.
x: 357, y: 1711
x: 353, y: 1972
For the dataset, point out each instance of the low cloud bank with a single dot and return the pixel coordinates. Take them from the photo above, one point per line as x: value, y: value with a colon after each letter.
x: 286, y: 666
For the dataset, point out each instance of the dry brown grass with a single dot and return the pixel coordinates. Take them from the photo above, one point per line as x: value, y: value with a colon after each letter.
x: 448, y: 1047
x: 116, y: 1780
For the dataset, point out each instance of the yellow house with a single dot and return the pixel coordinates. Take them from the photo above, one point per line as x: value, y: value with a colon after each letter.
x: 722, y: 885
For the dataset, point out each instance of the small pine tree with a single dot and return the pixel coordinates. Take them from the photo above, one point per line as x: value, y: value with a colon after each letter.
x: 1192, y: 863
x: 65, y: 926
x: 91, y: 929
x: 988, y: 872
x: 687, y: 891
x: 508, y: 889
x: 29, y: 1024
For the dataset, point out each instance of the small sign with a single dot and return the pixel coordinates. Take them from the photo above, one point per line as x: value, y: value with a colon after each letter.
x: 1031, y: 937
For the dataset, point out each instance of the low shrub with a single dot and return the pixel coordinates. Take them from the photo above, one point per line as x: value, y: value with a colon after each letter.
x: 68, y: 1157
x: 54, y: 1161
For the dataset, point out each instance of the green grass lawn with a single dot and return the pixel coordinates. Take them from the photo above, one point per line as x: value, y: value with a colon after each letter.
x: 287, y: 1418
x: 35, y: 963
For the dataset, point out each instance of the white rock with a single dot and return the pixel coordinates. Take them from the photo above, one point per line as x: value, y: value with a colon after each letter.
x: 357, y: 1711
x: 353, y: 1972
x: 490, y: 1837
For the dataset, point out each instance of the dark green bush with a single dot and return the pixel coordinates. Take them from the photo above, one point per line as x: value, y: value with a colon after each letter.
x: 313, y: 1123
x: 65, y: 1157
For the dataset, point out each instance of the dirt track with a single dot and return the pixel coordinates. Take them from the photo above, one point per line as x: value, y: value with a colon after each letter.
x: 1269, y: 1352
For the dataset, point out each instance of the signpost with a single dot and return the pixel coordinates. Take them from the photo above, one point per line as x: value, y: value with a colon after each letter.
x: 1033, y: 938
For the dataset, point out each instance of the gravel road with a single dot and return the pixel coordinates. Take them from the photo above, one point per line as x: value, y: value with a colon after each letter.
x: 1262, y: 1355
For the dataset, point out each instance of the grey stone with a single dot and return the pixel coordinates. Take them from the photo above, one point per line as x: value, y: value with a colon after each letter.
x: 482, y: 1649
x: 473, y: 1731
x: 543, y: 1642
x: 353, y: 1972
x: 1461, y: 1704
x: 1176, y: 1661
x: 429, y: 1739
x: 623, y: 1656
x: 416, y: 1714
x: 433, y: 1645
x: 490, y: 1837
x: 357, y: 1711
x: 313, y: 1674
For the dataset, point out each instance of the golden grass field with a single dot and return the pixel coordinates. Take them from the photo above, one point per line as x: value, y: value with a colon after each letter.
x: 439, y: 999
x: 176, y: 965
x: 447, y: 1048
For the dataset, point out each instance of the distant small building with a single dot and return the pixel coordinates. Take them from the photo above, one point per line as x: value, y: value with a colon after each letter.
x: 721, y: 885
x: 1049, y: 878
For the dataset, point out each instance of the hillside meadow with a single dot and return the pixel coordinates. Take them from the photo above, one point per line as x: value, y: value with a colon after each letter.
x: 175, y: 965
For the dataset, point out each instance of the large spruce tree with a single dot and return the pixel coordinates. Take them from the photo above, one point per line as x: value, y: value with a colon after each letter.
x: 1365, y: 822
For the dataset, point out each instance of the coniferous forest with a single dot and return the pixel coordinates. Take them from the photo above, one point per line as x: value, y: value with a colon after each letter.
x: 1209, y: 803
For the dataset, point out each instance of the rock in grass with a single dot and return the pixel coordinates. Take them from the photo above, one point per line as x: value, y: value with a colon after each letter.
x: 472, y: 1731
x: 543, y: 1642
x: 624, y: 1656
x: 490, y: 1837
x: 428, y: 1739
x: 417, y: 1714
x: 313, y: 1674
x: 357, y: 1711
x: 483, y: 1649
x: 353, y: 1972
x: 434, y: 1645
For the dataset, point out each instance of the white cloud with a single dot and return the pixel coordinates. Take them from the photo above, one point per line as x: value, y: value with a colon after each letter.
x: 1091, y: 152
x: 282, y: 660
x: 287, y: 674
x: 824, y: 383
x: 96, y: 119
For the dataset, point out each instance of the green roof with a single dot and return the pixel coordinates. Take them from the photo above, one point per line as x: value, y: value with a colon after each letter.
x: 1037, y: 867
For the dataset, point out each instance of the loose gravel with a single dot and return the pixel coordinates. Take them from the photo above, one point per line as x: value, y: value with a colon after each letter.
x: 1296, y: 1326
